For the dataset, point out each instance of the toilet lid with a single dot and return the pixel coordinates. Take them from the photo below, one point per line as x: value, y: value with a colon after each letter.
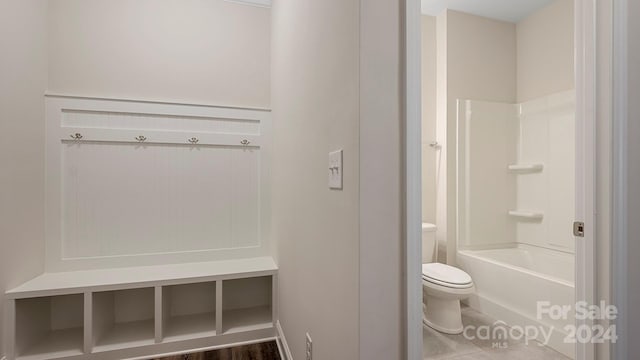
x: 445, y: 275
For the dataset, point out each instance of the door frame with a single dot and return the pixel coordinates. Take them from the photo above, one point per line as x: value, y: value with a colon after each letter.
x: 621, y: 158
x: 585, y: 71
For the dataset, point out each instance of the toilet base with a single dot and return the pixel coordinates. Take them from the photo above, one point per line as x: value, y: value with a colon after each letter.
x: 443, y: 315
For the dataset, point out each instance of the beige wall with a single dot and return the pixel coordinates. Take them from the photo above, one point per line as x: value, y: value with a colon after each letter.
x: 381, y: 188
x: 430, y: 155
x: 22, y: 83
x: 546, y: 51
x: 441, y: 132
x: 480, y: 65
x: 337, y: 85
x: 212, y: 52
x: 633, y: 299
x: 315, y: 97
x: 481, y: 58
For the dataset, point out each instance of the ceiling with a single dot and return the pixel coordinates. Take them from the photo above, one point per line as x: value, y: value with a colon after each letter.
x: 506, y: 10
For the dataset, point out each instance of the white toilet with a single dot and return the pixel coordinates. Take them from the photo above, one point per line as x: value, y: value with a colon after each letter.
x: 443, y: 287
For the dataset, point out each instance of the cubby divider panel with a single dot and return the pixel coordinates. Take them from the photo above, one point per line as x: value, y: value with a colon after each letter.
x: 123, y: 319
x: 247, y: 304
x: 189, y: 311
x: 49, y: 327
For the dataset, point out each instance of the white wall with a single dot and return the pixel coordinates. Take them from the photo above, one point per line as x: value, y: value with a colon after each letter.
x: 480, y: 65
x: 430, y: 155
x: 23, y: 81
x: 315, y: 110
x: 546, y: 51
x: 212, y: 52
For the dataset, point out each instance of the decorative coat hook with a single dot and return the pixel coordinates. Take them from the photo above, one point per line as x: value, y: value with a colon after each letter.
x: 76, y: 136
x: 245, y: 142
x: 141, y: 138
x: 193, y: 140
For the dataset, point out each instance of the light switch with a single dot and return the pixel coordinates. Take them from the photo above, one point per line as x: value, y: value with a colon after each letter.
x: 335, y: 170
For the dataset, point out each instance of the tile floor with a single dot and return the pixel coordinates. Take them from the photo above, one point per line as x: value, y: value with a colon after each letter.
x: 439, y: 346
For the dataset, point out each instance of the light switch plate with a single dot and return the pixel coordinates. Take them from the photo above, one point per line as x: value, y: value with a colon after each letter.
x: 335, y: 170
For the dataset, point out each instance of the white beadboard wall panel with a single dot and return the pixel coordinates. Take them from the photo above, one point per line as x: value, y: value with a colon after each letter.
x: 127, y: 199
x: 115, y: 201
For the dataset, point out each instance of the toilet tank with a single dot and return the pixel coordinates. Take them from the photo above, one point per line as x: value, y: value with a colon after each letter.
x: 428, y: 243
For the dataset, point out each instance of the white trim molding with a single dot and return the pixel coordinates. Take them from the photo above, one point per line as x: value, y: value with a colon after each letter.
x: 152, y: 101
x: 258, y: 3
x: 281, y: 341
x: 413, y: 179
x: 620, y: 276
x: 585, y: 71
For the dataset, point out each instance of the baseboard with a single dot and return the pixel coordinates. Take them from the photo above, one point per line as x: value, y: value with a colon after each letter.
x: 283, y: 347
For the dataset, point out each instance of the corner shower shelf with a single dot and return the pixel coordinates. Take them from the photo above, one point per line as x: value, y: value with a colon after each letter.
x: 524, y: 214
x: 525, y: 168
x: 136, y: 312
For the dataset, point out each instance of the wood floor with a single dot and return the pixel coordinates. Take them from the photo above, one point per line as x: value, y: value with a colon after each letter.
x: 262, y: 351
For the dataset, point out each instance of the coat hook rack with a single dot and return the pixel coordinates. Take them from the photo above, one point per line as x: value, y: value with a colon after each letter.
x: 245, y: 142
x: 76, y: 136
x: 193, y: 140
x: 141, y: 138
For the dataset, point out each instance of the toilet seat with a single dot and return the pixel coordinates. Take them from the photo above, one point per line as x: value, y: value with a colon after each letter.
x: 445, y: 275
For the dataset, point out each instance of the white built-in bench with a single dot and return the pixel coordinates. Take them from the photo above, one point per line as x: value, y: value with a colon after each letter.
x: 139, y: 312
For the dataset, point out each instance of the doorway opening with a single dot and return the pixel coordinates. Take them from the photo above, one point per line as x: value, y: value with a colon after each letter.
x: 505, y: 109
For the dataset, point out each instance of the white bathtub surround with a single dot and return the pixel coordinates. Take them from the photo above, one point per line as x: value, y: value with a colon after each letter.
x: 516, y: 165
x: 547, y: 136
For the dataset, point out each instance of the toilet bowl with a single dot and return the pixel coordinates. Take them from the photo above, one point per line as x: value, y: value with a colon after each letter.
x: 443, y: 287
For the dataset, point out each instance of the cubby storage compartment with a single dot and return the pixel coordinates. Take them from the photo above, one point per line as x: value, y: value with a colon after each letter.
x: 123, y: 319
x: 247, y: 304
x: 49, y: 327
x: 189, y: 311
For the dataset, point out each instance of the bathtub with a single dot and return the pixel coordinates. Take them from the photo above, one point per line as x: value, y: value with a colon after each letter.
x: 510, y: 282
